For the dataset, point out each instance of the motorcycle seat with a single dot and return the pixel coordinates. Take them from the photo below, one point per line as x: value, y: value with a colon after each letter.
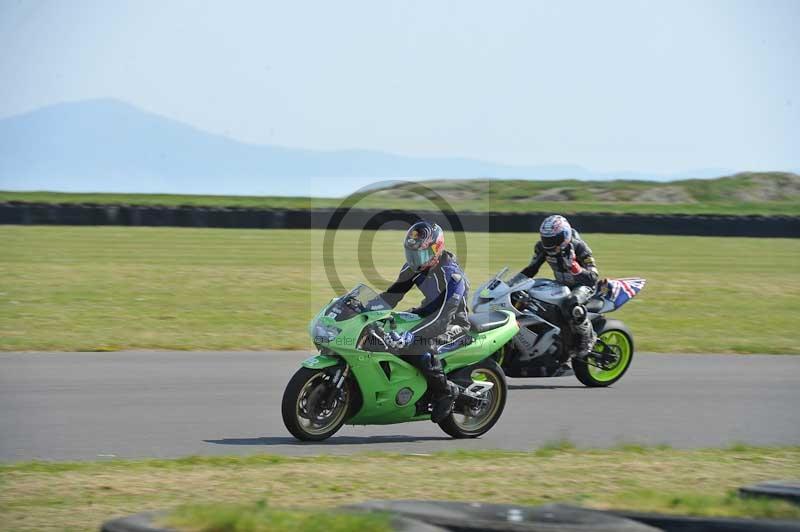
x: 486, y: 321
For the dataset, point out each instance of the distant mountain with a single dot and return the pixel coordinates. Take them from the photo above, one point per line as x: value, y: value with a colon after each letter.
x: 110, y: 146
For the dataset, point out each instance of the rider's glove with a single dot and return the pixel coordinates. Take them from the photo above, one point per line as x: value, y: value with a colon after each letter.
x: 569, y: 261
x: 397, y: 340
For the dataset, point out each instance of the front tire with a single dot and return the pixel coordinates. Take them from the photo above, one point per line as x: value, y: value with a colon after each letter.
x: 619, y: 339
x: 466, y: 422
x: 306, y: 412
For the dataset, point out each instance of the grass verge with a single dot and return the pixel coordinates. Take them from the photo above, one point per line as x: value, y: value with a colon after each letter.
x: 112, y: 288
x: 80, y: 495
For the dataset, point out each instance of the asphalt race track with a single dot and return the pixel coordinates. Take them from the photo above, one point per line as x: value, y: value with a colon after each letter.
x: 85, y: 406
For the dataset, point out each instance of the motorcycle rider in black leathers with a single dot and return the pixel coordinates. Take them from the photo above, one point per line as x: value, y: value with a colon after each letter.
x: 439, y: 277
x: 574, y: 266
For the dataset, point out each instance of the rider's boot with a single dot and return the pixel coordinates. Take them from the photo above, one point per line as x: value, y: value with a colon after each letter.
x: 585, y: 337
x: 443, y: 392
x: 443, y: 402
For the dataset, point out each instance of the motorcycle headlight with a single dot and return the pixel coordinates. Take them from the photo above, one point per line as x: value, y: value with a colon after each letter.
x: 325, y: 333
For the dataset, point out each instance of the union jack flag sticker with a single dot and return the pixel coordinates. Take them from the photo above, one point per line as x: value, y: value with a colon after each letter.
x: 621, y: 290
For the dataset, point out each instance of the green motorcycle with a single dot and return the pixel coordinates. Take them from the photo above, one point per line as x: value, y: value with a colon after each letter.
x: 355, y: 380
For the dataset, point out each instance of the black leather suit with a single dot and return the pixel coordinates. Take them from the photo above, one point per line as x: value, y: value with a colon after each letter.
x: 575, y: 267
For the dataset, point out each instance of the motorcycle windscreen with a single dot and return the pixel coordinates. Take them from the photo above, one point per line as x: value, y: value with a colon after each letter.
x: 620, y: 291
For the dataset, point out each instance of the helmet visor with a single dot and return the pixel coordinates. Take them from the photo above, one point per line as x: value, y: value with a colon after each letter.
x: 417, y: 258
x: 552, y: 243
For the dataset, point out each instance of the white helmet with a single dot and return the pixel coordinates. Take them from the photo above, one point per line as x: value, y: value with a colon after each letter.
x: 556, y: 234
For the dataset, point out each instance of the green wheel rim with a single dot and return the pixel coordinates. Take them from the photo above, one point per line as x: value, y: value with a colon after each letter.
x: 621, y: 344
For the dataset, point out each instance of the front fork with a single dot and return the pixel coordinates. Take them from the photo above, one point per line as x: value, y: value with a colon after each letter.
x: 338, y: 380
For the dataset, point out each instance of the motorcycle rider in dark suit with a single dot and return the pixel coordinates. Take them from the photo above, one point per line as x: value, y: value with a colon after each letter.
x: 573, y: 265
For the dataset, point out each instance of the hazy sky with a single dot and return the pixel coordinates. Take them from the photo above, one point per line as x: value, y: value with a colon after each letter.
x: 660, y: 87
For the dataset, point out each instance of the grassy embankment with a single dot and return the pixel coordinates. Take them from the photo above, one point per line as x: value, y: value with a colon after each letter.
x: 111, y: 288
x: 747, y: 193
x: 78, y: 496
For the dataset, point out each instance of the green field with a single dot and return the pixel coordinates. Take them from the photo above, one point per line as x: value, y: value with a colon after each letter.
x: 79, y: 496
x: 747, y: 193
x: 111, y: 288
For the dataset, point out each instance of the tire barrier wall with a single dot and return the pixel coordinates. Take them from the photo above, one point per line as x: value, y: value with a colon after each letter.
x: 780, y: 489
x: 468, y: 517
x: 442, y: 516
x: 22, y: 213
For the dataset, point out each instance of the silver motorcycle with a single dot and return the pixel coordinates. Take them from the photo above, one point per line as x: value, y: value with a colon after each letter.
x: 541, y: 348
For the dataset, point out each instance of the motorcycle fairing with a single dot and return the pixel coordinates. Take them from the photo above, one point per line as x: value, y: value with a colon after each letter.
x: 320, y: 361
x: 379, y: 388
x: 379, y: 404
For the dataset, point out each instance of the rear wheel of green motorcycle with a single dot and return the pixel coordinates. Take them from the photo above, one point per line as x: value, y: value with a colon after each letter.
x: 470, y: 422
x: 305, y: 409
x: 616, y: 337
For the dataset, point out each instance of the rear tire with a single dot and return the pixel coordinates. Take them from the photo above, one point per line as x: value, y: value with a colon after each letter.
x: 619, y: 338
x: 461, y: 423
x: 303, y: 408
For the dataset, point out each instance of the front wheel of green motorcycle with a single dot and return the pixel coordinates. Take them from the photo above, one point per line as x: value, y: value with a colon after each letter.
x: 312, y: 409
x: 474, y: 417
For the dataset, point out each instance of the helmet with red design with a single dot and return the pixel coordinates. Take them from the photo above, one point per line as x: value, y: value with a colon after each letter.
x: 423, y: 244
x: 556, y: 234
